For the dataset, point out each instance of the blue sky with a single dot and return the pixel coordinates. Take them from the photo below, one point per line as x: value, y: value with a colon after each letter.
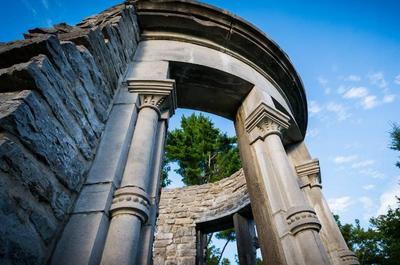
x: 348, y: 55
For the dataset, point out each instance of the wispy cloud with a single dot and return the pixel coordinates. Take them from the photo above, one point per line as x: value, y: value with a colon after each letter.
x: 352, y: 78
x: 388, y: 199
x: 368, y: 207
x: 339, y: 204
x: 49, y: 22
x: 373, y: 173
x: 397, y: 79
x: 366, y: 100
x: 29, y: 7
x: 314, y: 107
x: 45, y: 3
x: 363, y: 164
x: 389, y: 98
x: 312, y: 133
x: 369, y: 187
x: 356, y: 92
x: 339, y: 110
x: 377, y: 79
x: 369, y: 102
x: 324, y: 84
x: 344, y: 159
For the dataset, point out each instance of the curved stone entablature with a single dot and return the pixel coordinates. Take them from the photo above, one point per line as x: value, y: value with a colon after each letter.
x: 181, y: 210
x: 206, y: 25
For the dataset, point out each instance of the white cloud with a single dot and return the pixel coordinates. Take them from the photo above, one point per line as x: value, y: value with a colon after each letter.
x: 388, y: 200
x: 45, y: 4
x: 369, y: 102
x: 312, y: 133
x: 378, y: 79
x: 339, y: 110
x: 344, y: 159
x: 362, y: 164
x: 324, y: 83
x: 353, y: 78
x: 29, y: 7
x: 369, y: 187
x: 356, y: 92
x: 368, y: 207
x: 372, y: 173
x: 397, y: 79
x: 389, y: 98
x: 49, y: 22
x: 339, y: 204
x: 314, y: 108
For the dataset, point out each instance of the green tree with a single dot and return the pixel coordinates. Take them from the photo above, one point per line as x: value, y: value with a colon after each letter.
x: 395, y: 139
x: 203, y: 153
x: 378, y: 244
x: 213, y: 256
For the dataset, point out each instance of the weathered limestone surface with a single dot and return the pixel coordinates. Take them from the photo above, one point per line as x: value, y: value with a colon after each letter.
x: 182, y: 208
x: 56, y: 91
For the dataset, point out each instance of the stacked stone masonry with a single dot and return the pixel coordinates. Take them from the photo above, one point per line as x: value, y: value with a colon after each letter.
x: 56, y: 91
x: 182, y: 209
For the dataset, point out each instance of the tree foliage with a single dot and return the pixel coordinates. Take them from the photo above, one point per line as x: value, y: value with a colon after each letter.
x: 203, y: 153
x: 378, y: 244
x: 395, y: 139
x: 214, y: 255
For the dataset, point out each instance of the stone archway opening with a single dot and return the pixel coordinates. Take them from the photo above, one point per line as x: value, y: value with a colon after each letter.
x: 188, y: 215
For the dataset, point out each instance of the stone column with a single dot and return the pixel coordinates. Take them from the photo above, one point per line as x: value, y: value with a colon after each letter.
x: 310, y: 183
x: 131, y: 204
x: 295, y: 222
x: 148, y: 230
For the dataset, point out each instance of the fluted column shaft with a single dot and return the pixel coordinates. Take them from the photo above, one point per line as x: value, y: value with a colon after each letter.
x: 332, y: 238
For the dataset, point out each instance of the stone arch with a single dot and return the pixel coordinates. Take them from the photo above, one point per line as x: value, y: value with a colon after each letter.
x: 182, y: 210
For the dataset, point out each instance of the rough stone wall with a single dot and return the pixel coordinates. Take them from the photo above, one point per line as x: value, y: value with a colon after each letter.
x: 56, y: 89
x: 182, y: 208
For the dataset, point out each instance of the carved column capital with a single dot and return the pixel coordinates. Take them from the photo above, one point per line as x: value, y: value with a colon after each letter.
x: 348, y: 257
x: 302, y: 218
x: 131, y: 200
x: 309, y: 174
x: 264, y: 121
x: 159, y: 95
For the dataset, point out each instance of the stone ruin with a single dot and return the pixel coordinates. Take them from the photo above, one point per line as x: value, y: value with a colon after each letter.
x: 84, y: 112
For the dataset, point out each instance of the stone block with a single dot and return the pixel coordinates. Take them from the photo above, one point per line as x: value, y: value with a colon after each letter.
x: 82, y: 240
x: 183, y: 221
x: 43, y: 135
x: 112, y: 153
x: 95, y: 198
x: 187, y: 261
x: 126, y: 97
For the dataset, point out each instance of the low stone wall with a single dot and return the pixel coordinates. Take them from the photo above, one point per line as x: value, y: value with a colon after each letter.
x: 182, y: 209
x: 56, y: 89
